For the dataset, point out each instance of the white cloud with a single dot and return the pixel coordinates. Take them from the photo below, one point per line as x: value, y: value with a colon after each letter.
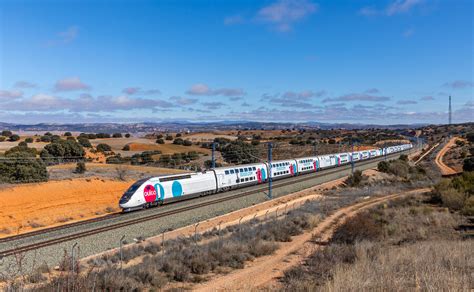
x: 10, y: 94
x: 203, y: 89
x: 70, y: 84
x: 64, y: 37
x: 394, y: 8
x: 283, y: 14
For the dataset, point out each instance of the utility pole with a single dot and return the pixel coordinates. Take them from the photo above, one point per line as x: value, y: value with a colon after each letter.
x: 352, y: 158
x: 213, y: 155
x: 270, y: 170
x: 450, y: 111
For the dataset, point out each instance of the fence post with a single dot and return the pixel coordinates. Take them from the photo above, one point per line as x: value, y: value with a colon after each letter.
x: 195, y: 232
x: 121, y: 251
x: 72, y: 256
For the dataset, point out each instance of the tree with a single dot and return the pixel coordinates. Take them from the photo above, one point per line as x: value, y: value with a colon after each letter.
x: 62, y: 150
x: 127, y: 135
x: 80, y: 167
x: 14, y: 138
x: 126, y: 147
x: 117, y: 135
x: 23, y: 144
x: 178, y: 135
x: 103, y: 135
x: 45, y: 138
x: 29, y: 140
x: 160, y: 141
x: 169, y: 137
x: 84, y: 142
x: 178, y: 141
x: 22, y: 167
x: 102, y: 147
x: 6, y: 133
x: 187, y: 143
x: 68, y: 134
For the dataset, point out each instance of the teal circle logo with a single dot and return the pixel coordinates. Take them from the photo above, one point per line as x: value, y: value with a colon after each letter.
x: 177, y: 189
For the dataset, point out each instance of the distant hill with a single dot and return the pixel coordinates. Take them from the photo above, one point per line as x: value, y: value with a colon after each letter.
x: 190, y: 126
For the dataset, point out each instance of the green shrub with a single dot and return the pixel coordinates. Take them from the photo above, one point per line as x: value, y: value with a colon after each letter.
x: 117, y: 135
x: 6, y: 133
x: 187, y: 143
x: 127, y: 135
x: 67, y: 134
x: 178, y: 141
x: 22, y: 167
x: 80, y: 167
x: 102, y: 147
x: 383, y: 166
x: 468, y: 208
x: 14, y: 138
x: 355, y: 179
x: 160, y: 141
x: 84, y: 142
x: 29, y: 140
x: 2, y: 138
x: 468, y: 164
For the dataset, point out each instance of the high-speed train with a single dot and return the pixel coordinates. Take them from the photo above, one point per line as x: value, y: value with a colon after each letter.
x: 153, y: 191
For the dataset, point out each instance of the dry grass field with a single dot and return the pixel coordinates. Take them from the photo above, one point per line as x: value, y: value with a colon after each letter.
x: 68, y: 196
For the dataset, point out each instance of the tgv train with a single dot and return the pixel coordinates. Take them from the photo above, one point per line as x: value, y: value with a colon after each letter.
x: 153, y: 191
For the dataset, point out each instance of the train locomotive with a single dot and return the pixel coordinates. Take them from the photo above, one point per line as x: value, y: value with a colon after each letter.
x: 154, y: 191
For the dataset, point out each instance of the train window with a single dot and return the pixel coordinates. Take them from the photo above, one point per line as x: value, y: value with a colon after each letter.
x: 231, y: 171
x: 241, y: 170
x: 246, y: 179
x: 226, y: 172
x: 254, y: 168
x: 246, y: 169
x: 237, y: 181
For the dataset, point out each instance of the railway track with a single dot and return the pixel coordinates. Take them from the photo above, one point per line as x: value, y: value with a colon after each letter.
x: 65, y: 238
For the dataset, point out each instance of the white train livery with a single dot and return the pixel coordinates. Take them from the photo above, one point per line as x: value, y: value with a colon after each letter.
x: 153, y: 191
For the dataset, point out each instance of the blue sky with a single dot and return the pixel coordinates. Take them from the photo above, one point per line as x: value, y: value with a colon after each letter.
x: 386, y: 61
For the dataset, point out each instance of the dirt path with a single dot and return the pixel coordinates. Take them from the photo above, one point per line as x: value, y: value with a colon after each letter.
x: 445, y: 170
x: 264, y: 272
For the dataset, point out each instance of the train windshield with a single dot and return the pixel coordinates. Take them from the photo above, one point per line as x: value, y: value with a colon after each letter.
x: 131, y: 190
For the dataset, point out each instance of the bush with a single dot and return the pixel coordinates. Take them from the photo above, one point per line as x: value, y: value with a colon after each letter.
x: 23, y: 144
x: 6, y: 133
x: 127, y: 135
x: 80, y: 167
x: 355, y: 179
x: 14, y: 138
x: 169, y: 137
x: 178, y: 141
x: 116, y: 159
x: 102, y: 147
x: 22, y: 167
x: 383, y: 166
x: 67, y: 134
x: 29, y: 140
x: 103, y: 135
x: 84, y: 142
x: 361, y: 227
x: 117, y: 135
x: 469, y: 137
x: 160, y: 141
x: 2, y: 138
x: 126, y: 147
x: 45, y: 138
x: 187, y: 143
x: 62, y: 150
x: 468, y: 164
x: 403, y: 157
x: 178, y: 135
